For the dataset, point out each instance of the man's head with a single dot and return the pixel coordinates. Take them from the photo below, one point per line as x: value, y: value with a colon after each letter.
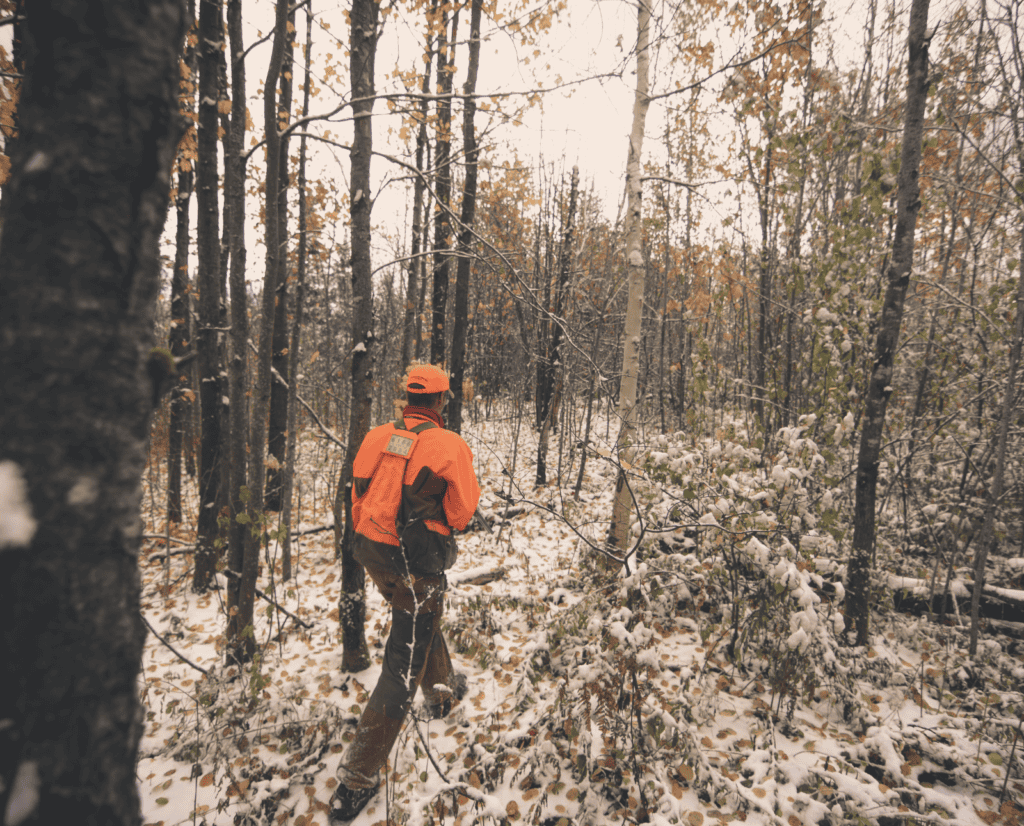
x: 428, y: 386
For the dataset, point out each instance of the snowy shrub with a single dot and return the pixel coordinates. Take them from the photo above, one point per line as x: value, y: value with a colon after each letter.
x: 764, y: 532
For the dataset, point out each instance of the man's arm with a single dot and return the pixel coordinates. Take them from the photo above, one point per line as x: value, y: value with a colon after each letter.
x: 463, y: 494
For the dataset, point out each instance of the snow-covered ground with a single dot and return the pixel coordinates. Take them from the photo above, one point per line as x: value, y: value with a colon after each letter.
x: 592, y: 700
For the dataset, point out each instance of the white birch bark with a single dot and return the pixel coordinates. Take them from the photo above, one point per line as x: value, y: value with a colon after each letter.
x: 619, y: 530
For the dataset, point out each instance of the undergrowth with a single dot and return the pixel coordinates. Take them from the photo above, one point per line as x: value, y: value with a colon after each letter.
x: 711, y: 681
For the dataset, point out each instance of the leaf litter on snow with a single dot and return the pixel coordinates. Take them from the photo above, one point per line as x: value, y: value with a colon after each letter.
x: 707, y: 685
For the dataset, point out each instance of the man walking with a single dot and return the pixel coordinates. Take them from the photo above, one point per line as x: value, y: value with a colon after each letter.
x: 412, y: 485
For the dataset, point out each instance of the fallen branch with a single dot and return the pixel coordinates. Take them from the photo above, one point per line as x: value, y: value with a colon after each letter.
x: 188, y: 549
x: 164, y: 538
x: 174, y: 650
x: 229, y: 573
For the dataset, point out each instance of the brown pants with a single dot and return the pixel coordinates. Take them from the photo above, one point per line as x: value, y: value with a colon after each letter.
x: 415, y: 654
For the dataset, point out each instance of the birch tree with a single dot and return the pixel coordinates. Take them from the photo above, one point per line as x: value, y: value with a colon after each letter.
x: 633, y: 229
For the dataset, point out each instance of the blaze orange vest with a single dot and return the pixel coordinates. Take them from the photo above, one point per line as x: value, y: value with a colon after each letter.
x: 378, y: 517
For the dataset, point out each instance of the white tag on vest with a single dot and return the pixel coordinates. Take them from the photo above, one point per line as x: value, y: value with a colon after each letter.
x: 400, y: 445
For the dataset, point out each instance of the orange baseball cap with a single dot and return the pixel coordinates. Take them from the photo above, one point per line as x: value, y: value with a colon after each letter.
x: 425, y: 378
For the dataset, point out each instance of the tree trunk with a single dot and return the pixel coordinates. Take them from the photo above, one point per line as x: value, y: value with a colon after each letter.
x: 238, y: 372
x: 468, y: 218
x: 443, y: 188
x: 619, y: 530
x: 277, y: 424
x: 178, y: 338
x: 208, y: 279
x: 241, y: 641
x: 766, y: 268
x: 296, y: 332
x: 898, y: 276
x: 551, y: 361
x: 413, y: 297
x: 352, y: 605
x: 80, y: 272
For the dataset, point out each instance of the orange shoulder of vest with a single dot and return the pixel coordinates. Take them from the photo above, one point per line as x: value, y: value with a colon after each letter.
x: 369, y: 450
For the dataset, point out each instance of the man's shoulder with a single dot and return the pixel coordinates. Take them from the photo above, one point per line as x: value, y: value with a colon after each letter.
x: 380, y: 433
x: 443, y: 436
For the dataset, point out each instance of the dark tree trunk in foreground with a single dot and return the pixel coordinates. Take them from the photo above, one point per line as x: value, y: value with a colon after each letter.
x: 880, y: 382
x: 79, y: 277
x: 352, y: 605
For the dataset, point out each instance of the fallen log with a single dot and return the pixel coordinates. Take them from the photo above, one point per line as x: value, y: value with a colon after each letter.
x: 318, y: 529
x: 477, y: 576
x: 1002, y: 604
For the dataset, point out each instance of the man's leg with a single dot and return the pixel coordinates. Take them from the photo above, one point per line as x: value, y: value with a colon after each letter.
x: 438, y: 670
x: 415, y: 613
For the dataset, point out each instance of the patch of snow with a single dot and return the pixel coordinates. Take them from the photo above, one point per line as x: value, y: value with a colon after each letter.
x: 24, y: 794
x: 17, y: 525
x: 84, y: 492
x: 37, y: 163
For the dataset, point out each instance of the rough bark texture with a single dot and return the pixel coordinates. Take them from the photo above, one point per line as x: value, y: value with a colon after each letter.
x: 443, y: 189
x: 413, y: 299
x: 242, y: 588
x: 179, y: 336
x: 79, y: 277
x: 898, y: 277
x: 277, y: 425
x: 238, y: 368
x: 619, y: 529
x: 208, y: 280
x: 468, y: 217
x: 299, y: 310
x: 352, y: 605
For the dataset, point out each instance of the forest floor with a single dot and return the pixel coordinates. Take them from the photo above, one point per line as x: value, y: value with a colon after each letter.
x: 591, y: 701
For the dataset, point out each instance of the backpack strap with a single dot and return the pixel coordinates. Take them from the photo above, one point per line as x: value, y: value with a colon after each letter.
x: 425, y: 425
